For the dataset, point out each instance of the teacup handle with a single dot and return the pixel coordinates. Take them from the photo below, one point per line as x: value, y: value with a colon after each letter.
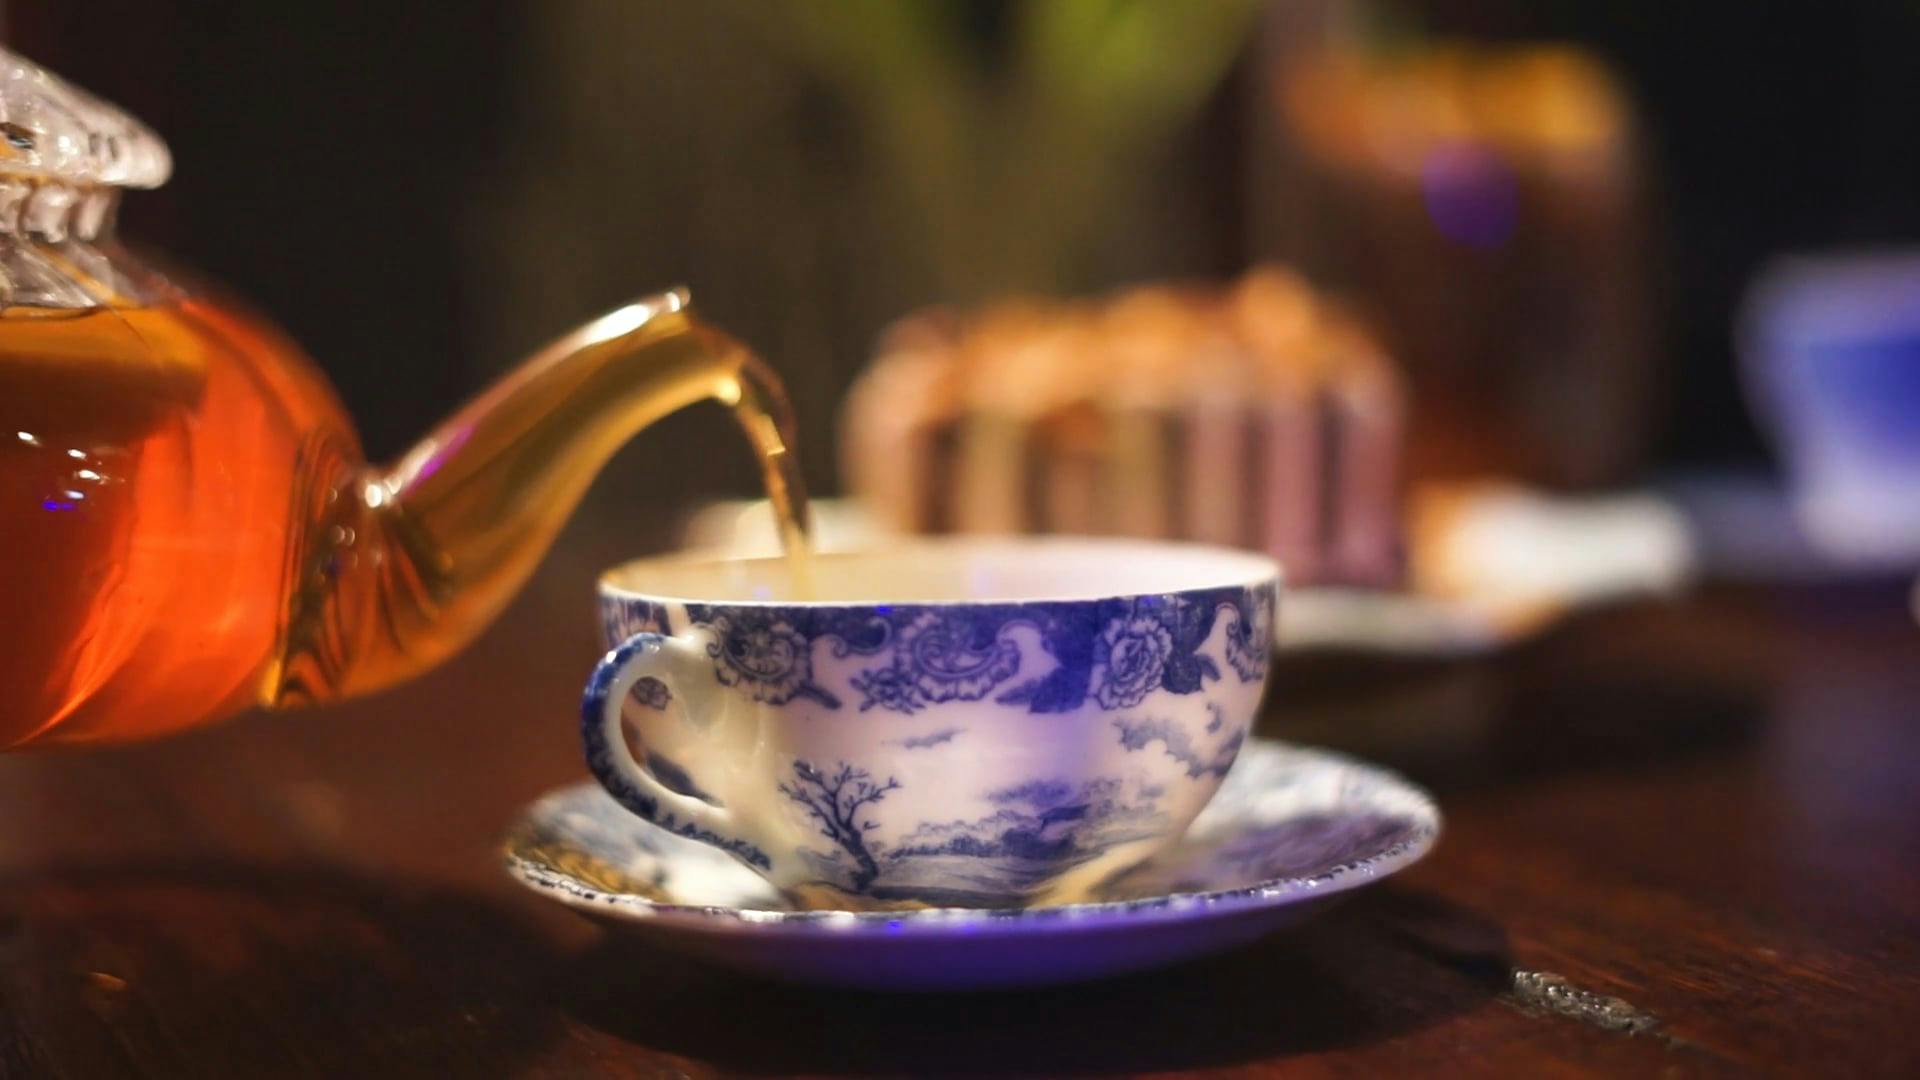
x: 685, y: 669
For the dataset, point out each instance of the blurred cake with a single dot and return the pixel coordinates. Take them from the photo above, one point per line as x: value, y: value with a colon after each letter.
x: 1260, y: 415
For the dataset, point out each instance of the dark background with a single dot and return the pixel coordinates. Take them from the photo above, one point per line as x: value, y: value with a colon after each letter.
x: 408, y: 189
x: 1689, y: 810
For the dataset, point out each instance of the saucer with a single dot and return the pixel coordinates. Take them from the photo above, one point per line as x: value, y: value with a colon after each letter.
x: 1290, y: 830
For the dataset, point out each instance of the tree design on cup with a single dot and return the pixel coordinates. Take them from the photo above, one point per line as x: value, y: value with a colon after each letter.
x: 1250, y: 639
x: 1034, y: 829
x: 835, y: 802
x: 941, y: 657
x: 766, y: 657
x: 1129, y: 659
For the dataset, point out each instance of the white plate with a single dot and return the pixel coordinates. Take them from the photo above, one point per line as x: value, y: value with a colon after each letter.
x: 1290, y: 829
x: 1518, y: 561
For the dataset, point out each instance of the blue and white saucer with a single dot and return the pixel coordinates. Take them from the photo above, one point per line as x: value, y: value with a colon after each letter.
x: 1290, y: 830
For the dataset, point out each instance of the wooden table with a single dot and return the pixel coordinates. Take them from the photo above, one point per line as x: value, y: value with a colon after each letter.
x: 1682, y: 839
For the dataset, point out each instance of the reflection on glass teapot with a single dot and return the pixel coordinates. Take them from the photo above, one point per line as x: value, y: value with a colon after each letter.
x: 186, y: 526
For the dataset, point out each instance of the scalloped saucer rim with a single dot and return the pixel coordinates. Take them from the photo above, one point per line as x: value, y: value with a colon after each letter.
x: 576, y: 846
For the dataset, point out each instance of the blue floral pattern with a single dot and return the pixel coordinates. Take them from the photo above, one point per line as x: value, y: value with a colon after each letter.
x: 1250, y: 638
x: 940, y: 656
x: 887, y: 688
x: 949, y: 659
x: 762, y: 654
x: 1113, y: 652
x: 1129, y: 661
x: 651, y: 692
x: 1151, y: 672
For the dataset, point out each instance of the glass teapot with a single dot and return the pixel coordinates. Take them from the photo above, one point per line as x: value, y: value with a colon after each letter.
x: 186, y: 525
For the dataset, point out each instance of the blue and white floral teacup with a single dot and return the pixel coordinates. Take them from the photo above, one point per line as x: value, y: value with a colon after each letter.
x: 980, y: 723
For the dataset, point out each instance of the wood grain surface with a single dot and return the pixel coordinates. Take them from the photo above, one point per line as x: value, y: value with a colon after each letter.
x: 1683, y: 839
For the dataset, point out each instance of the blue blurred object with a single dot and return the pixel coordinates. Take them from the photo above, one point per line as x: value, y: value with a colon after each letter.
x: 1831, y: 354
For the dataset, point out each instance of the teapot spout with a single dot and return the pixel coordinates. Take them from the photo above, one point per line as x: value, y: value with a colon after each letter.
x: 410, y: 563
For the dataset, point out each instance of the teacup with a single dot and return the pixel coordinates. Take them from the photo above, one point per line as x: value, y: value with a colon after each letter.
x: 977, y: 723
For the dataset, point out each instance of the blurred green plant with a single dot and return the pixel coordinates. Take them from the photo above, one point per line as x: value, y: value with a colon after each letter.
x: 1010, y: 157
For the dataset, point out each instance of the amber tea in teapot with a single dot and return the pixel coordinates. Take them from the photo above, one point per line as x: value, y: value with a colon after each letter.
x: 186, y: 525
x: 143, y: 475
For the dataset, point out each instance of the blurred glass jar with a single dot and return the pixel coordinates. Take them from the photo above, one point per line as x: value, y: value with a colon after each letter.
x: 1484, y: 205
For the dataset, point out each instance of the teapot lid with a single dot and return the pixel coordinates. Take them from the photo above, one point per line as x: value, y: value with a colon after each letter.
x: 51, y: 130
